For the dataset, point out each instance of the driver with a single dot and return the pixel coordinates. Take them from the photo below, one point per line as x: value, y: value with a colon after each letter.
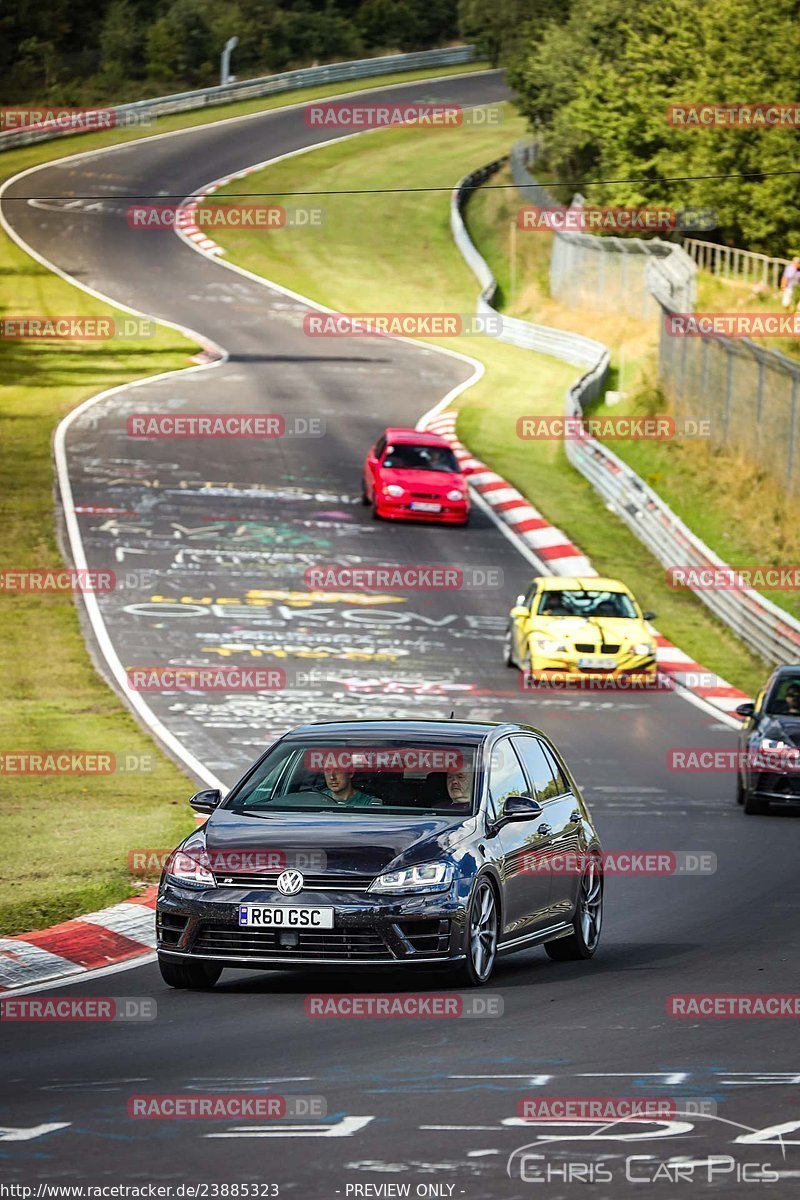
x: 459, y: 785
x: 792, y: 699
x: 339, y: 786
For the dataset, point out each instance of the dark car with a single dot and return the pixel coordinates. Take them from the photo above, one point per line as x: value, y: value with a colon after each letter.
x: 385, y: 843
x: 769, y: 744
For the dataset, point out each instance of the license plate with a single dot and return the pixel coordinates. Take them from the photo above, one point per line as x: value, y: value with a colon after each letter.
x: 596, y: 664
x: 284, y: 916
x: 419, y: 506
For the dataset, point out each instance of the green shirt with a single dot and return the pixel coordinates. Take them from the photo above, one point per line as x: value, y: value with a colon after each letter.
x: 357, y: 800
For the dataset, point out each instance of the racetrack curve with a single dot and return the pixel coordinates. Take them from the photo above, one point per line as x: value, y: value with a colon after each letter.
x: 219, y: 522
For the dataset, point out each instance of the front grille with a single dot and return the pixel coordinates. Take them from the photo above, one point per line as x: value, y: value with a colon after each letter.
x: 331, y: 882
x: 354, y: 942
x: 585, y: 648
x: 426, y: 496
x: 426, y: 936
x: 169, y: 927
x: 609, y: 648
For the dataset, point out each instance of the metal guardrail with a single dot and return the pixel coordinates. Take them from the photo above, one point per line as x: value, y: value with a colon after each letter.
x: 768, y: 630
x: 136, y: 112
x: 732, y: 263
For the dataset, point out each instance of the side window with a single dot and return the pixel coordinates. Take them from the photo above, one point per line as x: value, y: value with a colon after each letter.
x: 563, y: 783
x: 506, y: 777
x: 537, y: 764
x: 380, y: 446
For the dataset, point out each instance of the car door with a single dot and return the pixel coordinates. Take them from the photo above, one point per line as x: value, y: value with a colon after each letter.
x: 520, y: 848
x: 372, y: 467
x: 520, y: 623
x: 562, y: 820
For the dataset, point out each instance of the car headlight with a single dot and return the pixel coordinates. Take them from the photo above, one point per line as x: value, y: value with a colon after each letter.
x: 456, y: 494
x: 393, y: 489
x: 430, y: 877
x: 190, y: 869
x: 551, y: 646
x: 771, y: 746
x: 643, y: 648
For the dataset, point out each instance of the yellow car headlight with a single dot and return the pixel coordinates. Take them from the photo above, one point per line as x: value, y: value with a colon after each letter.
x: 643, y: 648
x: 550, y: 646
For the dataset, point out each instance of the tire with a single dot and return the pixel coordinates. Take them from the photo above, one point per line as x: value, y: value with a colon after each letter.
x: 483, y: 923
x: 508, y: 648
x: 585, y: 937
x: 364, y: 496
x: 376, y: 516
x: 191, y: 976
x: 754, y: 806
x: 739, y: 790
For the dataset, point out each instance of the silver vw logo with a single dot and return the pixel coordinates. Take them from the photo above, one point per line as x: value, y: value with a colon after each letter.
x: 290, y: 883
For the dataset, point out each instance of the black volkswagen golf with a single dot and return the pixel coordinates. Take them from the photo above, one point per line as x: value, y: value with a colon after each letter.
x: 385, y: 843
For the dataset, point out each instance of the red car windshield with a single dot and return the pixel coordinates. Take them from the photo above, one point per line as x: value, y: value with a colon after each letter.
x: 407, y: 457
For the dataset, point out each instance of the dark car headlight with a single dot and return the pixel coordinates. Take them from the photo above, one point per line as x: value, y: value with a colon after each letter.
x: 190, y: 870
x: 428, y: 877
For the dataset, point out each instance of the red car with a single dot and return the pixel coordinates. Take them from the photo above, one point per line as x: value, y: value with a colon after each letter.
x: 415, y: 476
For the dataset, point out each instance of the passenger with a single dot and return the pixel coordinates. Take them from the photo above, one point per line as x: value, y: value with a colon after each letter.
x: 459, y: 785
x: 339, y: 786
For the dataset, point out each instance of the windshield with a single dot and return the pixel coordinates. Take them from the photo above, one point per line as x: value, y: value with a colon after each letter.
x: 367, y: 780
x: 564, y: 603
x: 404, y: 456
x: 784, y: 699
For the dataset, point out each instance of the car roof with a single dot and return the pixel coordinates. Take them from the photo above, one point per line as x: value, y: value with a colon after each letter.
x: 589, y: 583
x: 473, y: 732
x: 417, y: 436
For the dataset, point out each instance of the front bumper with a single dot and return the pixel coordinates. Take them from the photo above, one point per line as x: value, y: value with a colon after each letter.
x: 451, y: 514
x: 375, y: 932
x: 615, y: 667
x: 777, y: 787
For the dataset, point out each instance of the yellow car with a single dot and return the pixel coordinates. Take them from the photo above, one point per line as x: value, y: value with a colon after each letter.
x: 580, y: 627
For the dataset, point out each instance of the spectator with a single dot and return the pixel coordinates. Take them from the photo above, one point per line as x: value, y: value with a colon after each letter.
x: 789, y: 282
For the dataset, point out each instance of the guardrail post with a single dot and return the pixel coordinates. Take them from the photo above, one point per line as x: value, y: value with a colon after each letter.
x: 792, y: 431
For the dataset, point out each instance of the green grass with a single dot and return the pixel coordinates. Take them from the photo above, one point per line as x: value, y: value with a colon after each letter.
x: 711, y: 490
x: 66, y: 838
x: 395, y: 252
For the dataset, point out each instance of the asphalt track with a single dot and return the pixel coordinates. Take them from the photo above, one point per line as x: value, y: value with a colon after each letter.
x: 219, y: 523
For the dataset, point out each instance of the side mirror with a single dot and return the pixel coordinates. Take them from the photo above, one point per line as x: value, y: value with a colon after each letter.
x: 520, y: 808
x: 519, y: 610
x: 206, y: 801
x: 746, y: 710
x: 649, y: 615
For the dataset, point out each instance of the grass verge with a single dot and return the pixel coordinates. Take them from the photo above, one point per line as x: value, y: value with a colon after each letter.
x: 66, y: 838
x: 395, y: 252
x: 711, y: 489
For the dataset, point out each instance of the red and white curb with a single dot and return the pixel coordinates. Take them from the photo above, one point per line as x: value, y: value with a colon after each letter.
x: 560, y: 556
x: 185, y: 217
x: 100, y: 939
